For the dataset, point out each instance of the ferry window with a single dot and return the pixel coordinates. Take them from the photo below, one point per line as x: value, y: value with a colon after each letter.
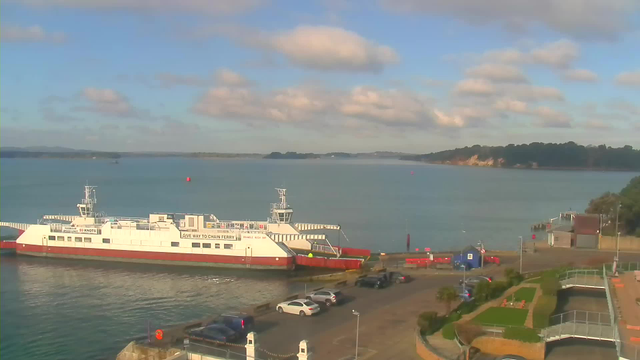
x: 106, y: 241
x: 69, y: 238
x: 60, y: 238
x: 78, y: 239
x: 87, y: 239
x: 217, y: 246
x: 52, y: 238
x: 206, y: 245
x: 228, y: 246
x: 192, y: 222
x: 175, y: 244
x: 195, y: 245
x: 160, y: 218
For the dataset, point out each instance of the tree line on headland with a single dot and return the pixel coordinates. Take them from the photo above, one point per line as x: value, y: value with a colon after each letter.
x: 538, y: 155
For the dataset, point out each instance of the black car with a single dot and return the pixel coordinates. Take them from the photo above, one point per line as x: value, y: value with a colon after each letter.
x: 215, y: 332
x: 376, y: 282
x: 400, y: 277
x: 239, y: 322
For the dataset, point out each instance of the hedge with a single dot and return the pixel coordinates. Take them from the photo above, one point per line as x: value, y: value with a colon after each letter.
x: 449, y: 331
x: 521, y: 334
x: 545, y: 306
x: 429, y: 322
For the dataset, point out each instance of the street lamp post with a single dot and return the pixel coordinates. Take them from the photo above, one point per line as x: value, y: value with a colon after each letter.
x: 520, y: 254
x: 617, y: 234
x: 357, y: 314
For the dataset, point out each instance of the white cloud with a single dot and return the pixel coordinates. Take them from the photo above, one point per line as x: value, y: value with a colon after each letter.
x: 331, y: 48
x: 107, y: 102
x: 391, y: 107
x: 533, y: 93
x: 590, y: 19
x: 581, y: 75
x: 559, y: 54
x: 286, y: 106
x: 445, y: 120
x: 208, y: 7
x: 511, y: 105
x: 16, y: 33
x: 313, y: 47
x: 629, y: 78
x: 475, y: 87
x: 597, y: 125
x: 497, y: 73
x: 550, y: 118
x: 226, y: 77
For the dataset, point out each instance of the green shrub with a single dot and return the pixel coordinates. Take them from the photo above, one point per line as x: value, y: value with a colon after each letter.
x: 498, y: 288
x: 467, y: 307
x: 521, y: 334
x: 449, y: 332
x: 513, y: 277
x: 482, y: 292
x: 429, y: 322
x: 453, y: 317
x: 545, y: 306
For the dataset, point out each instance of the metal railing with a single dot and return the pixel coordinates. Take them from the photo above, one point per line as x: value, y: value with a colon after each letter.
x: 200, y: 349
x: 629, y: 351
x: 582, y: 277
x: 580, y: 324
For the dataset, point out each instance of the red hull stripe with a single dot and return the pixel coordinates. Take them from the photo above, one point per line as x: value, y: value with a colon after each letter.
x: 206, y: 259
x: 7, y: 244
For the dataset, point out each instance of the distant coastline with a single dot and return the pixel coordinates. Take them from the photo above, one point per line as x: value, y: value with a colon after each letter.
x: 550, y: 156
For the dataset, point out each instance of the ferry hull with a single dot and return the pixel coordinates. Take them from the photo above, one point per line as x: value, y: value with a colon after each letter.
x: 283, y: 263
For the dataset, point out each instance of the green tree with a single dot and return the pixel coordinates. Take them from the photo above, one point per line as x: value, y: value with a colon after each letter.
x: 513, y: 277
x: 628, y: 213
x: 482, y: 291
x: 447, y: 295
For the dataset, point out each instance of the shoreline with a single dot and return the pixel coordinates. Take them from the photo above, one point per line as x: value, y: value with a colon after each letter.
x: 527, y: 168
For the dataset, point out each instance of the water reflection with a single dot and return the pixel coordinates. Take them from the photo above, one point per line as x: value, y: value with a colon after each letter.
x: 85, y: 309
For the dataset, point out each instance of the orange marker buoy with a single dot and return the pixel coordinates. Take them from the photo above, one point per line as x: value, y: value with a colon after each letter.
x: 159, y: 334
x: 188, y: 179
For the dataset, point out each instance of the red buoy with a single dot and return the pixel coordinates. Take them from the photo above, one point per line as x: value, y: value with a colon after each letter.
x: 188, y: 179
x: 412, y: 173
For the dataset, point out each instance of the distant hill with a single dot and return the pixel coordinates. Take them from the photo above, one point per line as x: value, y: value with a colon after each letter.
x: 538, y: 155
x: 50, y: 149
x: 291, y: 155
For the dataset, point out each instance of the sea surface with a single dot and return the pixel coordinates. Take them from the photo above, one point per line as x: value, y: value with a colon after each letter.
x: 69, y: 309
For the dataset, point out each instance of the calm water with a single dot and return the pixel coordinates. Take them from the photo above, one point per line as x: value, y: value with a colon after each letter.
x: 86, y: 310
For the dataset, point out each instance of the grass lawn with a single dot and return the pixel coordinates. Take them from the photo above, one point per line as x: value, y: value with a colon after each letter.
x: 526, y: 294
x: 537, y: 280
x: 502, y: 316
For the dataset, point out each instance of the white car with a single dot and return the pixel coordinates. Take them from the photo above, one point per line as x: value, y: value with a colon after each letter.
x: 300, y: 307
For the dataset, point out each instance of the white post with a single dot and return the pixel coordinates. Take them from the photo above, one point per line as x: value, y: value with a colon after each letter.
x: 303, y: 351
x: 357, y: 314
x: 251, y: 346
x: 617, y: 233
x: 520, y: 254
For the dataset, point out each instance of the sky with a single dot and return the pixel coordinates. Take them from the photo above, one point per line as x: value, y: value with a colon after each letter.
x: 247, y: 76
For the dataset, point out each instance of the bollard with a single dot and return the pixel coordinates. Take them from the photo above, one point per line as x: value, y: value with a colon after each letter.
x: 251, y: 346
x: 303, y: 351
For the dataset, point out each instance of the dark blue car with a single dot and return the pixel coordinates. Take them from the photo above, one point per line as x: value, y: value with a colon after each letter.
x: 239, y: 322
x: 215, y: 332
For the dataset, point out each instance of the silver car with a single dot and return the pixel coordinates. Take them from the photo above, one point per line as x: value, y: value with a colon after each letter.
x: 328, y: 296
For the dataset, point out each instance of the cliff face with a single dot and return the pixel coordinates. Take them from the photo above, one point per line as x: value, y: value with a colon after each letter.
x: 474, y: 161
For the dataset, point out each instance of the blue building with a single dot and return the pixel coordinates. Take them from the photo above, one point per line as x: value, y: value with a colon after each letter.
x: 470, y: 258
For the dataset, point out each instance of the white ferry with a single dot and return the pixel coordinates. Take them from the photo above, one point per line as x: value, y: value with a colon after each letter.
x: 182, y: 239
